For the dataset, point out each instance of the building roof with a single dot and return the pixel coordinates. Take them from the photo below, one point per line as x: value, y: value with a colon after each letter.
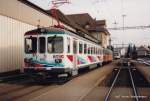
x: 63, y: 18
x: 85, y: 19
x: 81, y: 19
x: 100, y: 22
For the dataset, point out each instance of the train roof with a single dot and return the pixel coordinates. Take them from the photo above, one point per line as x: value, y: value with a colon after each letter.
x: 106, y: 50
x: 53, y: 30
x: 46, y: 30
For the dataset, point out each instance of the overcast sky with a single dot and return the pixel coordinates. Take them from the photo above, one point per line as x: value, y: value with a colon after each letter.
x: 137, y: 13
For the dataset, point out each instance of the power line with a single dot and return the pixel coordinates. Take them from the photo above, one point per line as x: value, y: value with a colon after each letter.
x: 129, y: 27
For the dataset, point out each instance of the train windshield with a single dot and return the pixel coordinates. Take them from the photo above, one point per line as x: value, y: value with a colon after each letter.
x: 31, y: 45
x: 55, y: 44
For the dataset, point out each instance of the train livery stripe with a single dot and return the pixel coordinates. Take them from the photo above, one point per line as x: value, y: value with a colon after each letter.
x: 70, y: 57
x: 92, y: 58
x: 81, y: 60
x: 37, y: 63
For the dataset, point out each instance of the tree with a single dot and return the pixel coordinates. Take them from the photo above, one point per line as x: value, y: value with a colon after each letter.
x: 129, y: 51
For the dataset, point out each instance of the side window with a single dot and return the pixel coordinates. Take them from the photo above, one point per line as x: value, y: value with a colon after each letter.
x: 91, y: 50
x: 94, y: 49
x: 85, y: 48
x: 68, y: 45
x: 42, y: 45
x: 74, y: 47
x: 88, y: 49
x: 101, y: 51
x: 80, y: 47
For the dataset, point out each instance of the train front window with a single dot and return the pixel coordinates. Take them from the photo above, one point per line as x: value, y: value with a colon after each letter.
x: 31, y: 45
x: 42, y: 46
x: 55, y: 44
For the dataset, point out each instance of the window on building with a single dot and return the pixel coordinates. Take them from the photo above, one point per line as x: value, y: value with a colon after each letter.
x: 85, y: 48
x: 80, y: 47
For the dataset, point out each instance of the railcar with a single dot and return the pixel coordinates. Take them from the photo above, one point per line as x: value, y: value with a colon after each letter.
x: 117, y: 55
x: 107, y: 56
x: 58, y: 51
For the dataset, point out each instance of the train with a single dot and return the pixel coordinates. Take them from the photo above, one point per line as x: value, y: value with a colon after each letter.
x: 60, y: 52
x: 117, y: 55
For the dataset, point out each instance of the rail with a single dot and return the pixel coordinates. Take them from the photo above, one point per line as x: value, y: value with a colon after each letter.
x: 133, y: 85
x: 108, y: 94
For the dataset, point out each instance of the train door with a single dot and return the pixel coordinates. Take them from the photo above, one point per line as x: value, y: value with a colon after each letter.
x: 75, y: 69
x: 42, y: 48
x: 75, y: 53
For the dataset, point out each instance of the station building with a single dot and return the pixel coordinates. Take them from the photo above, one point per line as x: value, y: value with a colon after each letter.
x: 143, y: 51
x: 17, y: 17
x: 96, y: 28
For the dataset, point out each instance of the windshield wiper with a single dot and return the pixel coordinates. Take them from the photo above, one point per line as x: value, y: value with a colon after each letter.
x: 52, y: 38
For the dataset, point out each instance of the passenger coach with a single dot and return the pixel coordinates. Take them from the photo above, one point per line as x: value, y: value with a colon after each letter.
x: 58, y: 51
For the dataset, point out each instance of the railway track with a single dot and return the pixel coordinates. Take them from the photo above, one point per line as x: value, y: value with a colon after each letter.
x: 125, y: 83
x: 23, y: 89
x: 129, y: 93
x: 124, y: 93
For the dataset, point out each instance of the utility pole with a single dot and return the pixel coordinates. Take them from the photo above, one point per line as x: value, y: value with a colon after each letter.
x: 123, y: 22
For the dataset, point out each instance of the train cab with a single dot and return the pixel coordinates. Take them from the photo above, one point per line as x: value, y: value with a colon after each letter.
x: 45, y: 51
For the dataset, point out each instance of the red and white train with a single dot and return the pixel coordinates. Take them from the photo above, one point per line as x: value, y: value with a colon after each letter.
x: 59, y: 51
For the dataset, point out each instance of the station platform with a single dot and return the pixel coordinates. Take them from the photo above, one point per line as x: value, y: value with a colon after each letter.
x: 77, y: 88
x: 145, y: 69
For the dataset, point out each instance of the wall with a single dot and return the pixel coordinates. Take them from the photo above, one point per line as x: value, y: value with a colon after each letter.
x: 11, y: 43
x: 104, y: 39
x: 15, y: 19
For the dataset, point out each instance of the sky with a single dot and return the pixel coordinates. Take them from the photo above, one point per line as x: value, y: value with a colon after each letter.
x: 137, y: 14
